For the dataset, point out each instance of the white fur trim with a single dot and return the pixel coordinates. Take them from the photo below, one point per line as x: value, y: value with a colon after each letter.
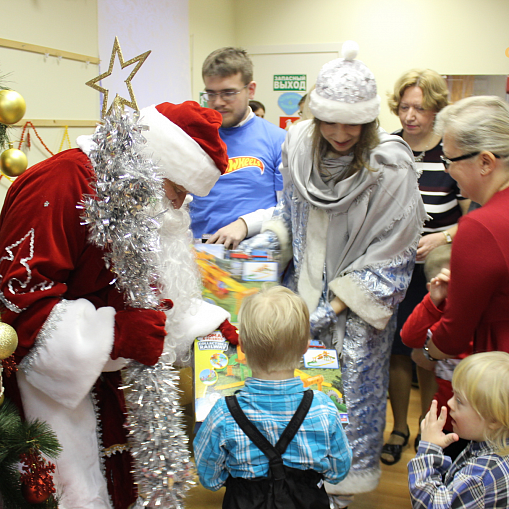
x: 254, y: 220
x: 180, y: 157
x: 328, y: 110
x: 278, y: 227
x: 360, y: 302
x: 355, y: 482
x: 199, y: 319
x: 310, y: 284
x: 78, y: 478
x: 71, y: 350
x: 115, y: 365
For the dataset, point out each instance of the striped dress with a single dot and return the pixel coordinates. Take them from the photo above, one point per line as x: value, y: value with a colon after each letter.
x: 439, y: 191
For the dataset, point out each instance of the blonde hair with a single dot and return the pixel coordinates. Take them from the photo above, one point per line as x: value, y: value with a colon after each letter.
x: 483, y: 380
x: 274, y: 329
x: 436, y: 260
x: 368, y: 140
x: 435, y: 94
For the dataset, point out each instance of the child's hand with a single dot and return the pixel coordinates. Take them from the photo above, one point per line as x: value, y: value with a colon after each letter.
x: 431, y: 427
x: 439, y: 286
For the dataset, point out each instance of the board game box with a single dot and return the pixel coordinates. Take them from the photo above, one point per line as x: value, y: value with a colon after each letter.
x: 220, y: 369
x: 229, y: 276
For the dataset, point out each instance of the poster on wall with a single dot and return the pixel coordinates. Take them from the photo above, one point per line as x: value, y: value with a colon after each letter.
x: 285, y: 82
x: 289, y: 101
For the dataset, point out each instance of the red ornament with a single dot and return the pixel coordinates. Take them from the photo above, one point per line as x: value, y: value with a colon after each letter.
x: 36, y: 480
x: 35, y: 494
x: 9, y: 366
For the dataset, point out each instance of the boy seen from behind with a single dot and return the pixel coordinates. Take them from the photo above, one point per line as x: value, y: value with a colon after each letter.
x: 479, y: 409
x: 274, y: 335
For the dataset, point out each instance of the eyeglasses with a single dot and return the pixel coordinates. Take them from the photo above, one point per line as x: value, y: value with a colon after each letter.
x: 226, y: 96
x: 447, y: 162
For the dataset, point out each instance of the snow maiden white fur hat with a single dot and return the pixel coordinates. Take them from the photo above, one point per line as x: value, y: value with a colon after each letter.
x: 345, y: 90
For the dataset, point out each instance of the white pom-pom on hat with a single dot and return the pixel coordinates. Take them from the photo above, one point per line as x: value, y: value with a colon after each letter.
x: 350, y: 50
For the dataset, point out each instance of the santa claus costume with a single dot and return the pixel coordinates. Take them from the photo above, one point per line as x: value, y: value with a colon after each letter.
x: 75, y: 329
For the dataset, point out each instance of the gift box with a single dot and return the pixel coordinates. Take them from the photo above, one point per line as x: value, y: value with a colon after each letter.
x: 220, y: 369
x: 230, y: 276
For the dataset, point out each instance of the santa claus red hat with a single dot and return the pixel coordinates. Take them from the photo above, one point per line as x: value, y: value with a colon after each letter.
x: 183, y: 140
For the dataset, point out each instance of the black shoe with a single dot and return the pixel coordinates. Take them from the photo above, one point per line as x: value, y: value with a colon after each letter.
x: 395, y: 450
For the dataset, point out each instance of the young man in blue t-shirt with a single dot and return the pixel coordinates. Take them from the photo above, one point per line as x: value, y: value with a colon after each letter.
x: 252, y: 179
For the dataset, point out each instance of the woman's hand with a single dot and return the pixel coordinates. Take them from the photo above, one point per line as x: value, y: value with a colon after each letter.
x: 432, y: 427
x: 337, y: 305
x: 439, y: 287
x: 428, y: 243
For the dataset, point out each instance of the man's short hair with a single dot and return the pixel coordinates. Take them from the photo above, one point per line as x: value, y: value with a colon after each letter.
x: 274, y: 329
x: 256, y: 105
x: 225, y: 62
x: 436, y: 260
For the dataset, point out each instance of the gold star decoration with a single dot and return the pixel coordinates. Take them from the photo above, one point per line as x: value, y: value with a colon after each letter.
x: 140, y: 59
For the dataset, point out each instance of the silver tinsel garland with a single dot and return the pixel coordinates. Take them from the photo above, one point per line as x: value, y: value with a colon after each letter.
x: 123, y: 218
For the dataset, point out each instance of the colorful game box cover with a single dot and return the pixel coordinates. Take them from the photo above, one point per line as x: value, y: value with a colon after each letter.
x: 229, y: 276
x: 220, y: 369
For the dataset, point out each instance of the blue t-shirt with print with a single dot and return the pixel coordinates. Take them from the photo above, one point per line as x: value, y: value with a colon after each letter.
x: 251, y: 180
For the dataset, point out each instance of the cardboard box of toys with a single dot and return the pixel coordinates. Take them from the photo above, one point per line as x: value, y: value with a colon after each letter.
x: 220, y: 369
x: 229, y: 276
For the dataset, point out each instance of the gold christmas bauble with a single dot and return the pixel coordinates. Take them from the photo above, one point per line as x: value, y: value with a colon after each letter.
x: 8, y: 340
x: 12, y: 106
x: 13, y: 162
x: 2, y: 398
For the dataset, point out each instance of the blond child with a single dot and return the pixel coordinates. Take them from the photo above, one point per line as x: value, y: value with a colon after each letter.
x: 273, y: 334
x: 424, y: 318
x: 479, y: 408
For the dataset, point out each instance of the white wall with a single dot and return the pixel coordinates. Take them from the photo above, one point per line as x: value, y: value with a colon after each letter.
x: 161, y: 26
x: 212, y: 25
x: 55, y: 88
x: 52, y: 88
x: 450, y: 36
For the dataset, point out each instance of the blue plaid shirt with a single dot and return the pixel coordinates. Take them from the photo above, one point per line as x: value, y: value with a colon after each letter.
x: 221, y: 447
x: 478, y: 478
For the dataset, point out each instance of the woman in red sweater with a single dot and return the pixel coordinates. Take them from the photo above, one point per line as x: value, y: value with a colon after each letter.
x: 476, y: 154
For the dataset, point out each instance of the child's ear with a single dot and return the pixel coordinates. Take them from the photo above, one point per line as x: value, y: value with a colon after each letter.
x: 428, y: 286
x: 493, y: 425
x: 306, y: 348
x: 240, y: 345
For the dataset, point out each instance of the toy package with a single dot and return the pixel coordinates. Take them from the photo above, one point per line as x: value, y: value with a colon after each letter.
x: 229, y: 276
x: 220, y: 369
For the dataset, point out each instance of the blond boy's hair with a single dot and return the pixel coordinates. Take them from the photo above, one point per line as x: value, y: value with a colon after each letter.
x: 274, y: 329
x: 436, y: 260
x: 483, y: 380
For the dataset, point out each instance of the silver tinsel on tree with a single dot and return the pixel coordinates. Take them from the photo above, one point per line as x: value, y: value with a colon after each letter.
x: 124, y: 218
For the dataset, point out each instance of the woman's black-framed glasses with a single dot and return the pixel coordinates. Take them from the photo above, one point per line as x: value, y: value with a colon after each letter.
x: 447, y: 162
x: 226, y: 96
